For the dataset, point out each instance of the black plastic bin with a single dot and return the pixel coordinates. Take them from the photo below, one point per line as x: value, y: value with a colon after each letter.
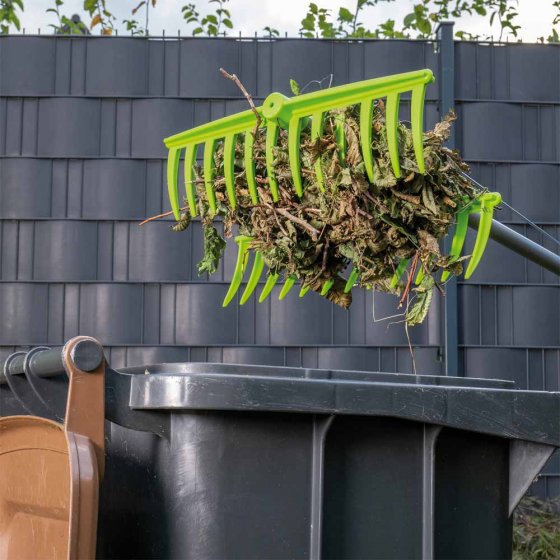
x: 239, y: 462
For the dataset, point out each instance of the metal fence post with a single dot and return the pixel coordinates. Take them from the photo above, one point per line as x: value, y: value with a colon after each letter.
x: 446, y: 54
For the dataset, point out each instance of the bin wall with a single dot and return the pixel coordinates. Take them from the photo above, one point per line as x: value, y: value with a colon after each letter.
x: 82, y: 161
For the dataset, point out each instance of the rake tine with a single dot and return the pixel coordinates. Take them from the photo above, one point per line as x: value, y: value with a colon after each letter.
x: 392, y: 125
x: 399, y: 272
x: 458, y: 238
x: 243, y: 242
x: 294, y: 135
x: 271, y: 138
x: 258, y: 265
x: 327, y: 286
x: 304, y: 289
x: 366, y: 117
x: 269, y: 284
x: 288, y: 285
x: 172, y: 181
x: 316, y: 132
x: 190, y: 188
x: 250, y: 167
x: 209, y: 147
x: 351, y: 280
x: 417, y: 124
x: 339, y: 121
x: 487, y: 203
x: 229, y: 164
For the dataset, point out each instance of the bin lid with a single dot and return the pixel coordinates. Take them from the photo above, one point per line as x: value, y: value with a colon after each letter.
x: 482, y: 405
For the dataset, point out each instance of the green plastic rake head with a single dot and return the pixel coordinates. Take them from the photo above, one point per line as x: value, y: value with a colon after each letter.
x: 292, y: 114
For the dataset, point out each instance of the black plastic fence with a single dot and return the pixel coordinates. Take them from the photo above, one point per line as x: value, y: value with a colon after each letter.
x: 82, y: 162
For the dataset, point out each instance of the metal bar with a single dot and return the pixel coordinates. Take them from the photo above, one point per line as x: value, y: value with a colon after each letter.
x: 446, y: 103
x: 520, y: 244
x: 47, y: 363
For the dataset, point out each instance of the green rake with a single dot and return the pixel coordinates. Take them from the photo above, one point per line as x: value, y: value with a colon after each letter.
x: 293, y: 114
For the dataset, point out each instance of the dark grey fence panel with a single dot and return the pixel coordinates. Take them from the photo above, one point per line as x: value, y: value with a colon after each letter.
x: 82, y: 162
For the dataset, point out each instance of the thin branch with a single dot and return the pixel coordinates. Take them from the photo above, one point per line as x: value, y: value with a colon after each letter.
x: 411, y: 274
x: 314, y: 232
x: 164, y: 215
x: 248, y: 97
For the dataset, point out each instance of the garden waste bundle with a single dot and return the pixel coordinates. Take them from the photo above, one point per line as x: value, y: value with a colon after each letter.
x: 331, y: 190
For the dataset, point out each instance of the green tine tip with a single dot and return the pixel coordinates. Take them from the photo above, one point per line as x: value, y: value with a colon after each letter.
x: 304, y: 289
x: 487, y: 203
x: 458, y: 238
x: 190, y: 187
x: 209, y: 148
x: 392, y: 125
x: 229, y: 167
x: 339, y: 121
x: 417, y: 124
x: 366, y: 117
x: 316, y: 132
x: 269, y: 284
x: 351, y: 280
x: 288, y: 285
x: 271, y: 138
x: 258, y: 265
x: 294, y: 134
x: 327, y: 286
x: 399, y: 272
x: 243, y: 242
x: 172, y: 181
x: 420, y: 274
x: 250, y: 166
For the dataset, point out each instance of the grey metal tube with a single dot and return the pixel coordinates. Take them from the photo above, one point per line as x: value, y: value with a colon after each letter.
x: 520, y: 244
x: 46, y: 363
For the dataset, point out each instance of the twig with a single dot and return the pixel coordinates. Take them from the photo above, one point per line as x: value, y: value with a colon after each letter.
x: 409, y: 281
x: 165, y: 214
x: 248, y: 97
x: 314, y: 232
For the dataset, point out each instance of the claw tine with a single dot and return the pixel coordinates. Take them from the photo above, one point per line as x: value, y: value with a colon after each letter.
x: 172, y: 181
x: 294, y: 134
x: 351, y: 280
x: 190, y: 188
x: 366, y: 117
x: 250, y: 166
x: 392, y: 124
x: 288, y: 285
x: 258, y: 265
x: 316, y: 132
x: 417, y: 124
x: 271, y: 138
x: 209, y: 147
x: 339, y: 121
x: 237, y: 278
x: 399, y: 272
x: 458, y: 238
x: 487, y: 203
x: 304, y: 289
x: 269, y: 284
x: 327, y: 286
x: 229, y: 167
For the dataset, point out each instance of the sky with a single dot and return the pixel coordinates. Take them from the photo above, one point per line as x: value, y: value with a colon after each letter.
x: 535, y: 16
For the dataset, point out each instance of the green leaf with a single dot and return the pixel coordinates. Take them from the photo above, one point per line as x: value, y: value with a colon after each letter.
x: 294, y: 86
x: 345, y: 15
x: 421, y: 306
x: 214, y: 246
x: 227, y: 23
x: 409, y: 19
x: 212, y: 19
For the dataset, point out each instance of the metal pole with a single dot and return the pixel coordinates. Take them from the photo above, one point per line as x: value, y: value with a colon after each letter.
x: 446, y: 103
x: 520, y: 244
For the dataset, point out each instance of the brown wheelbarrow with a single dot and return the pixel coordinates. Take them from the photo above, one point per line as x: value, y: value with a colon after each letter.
x: 50, y: 471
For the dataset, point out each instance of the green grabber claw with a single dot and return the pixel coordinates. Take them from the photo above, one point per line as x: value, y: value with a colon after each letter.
x: 243, y: 241
x: 291, y: 113
x: 288, y: 285
x: 269, y: 284
x: 488, y: 201
x: 458, y: 237
x: 258, y: 266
